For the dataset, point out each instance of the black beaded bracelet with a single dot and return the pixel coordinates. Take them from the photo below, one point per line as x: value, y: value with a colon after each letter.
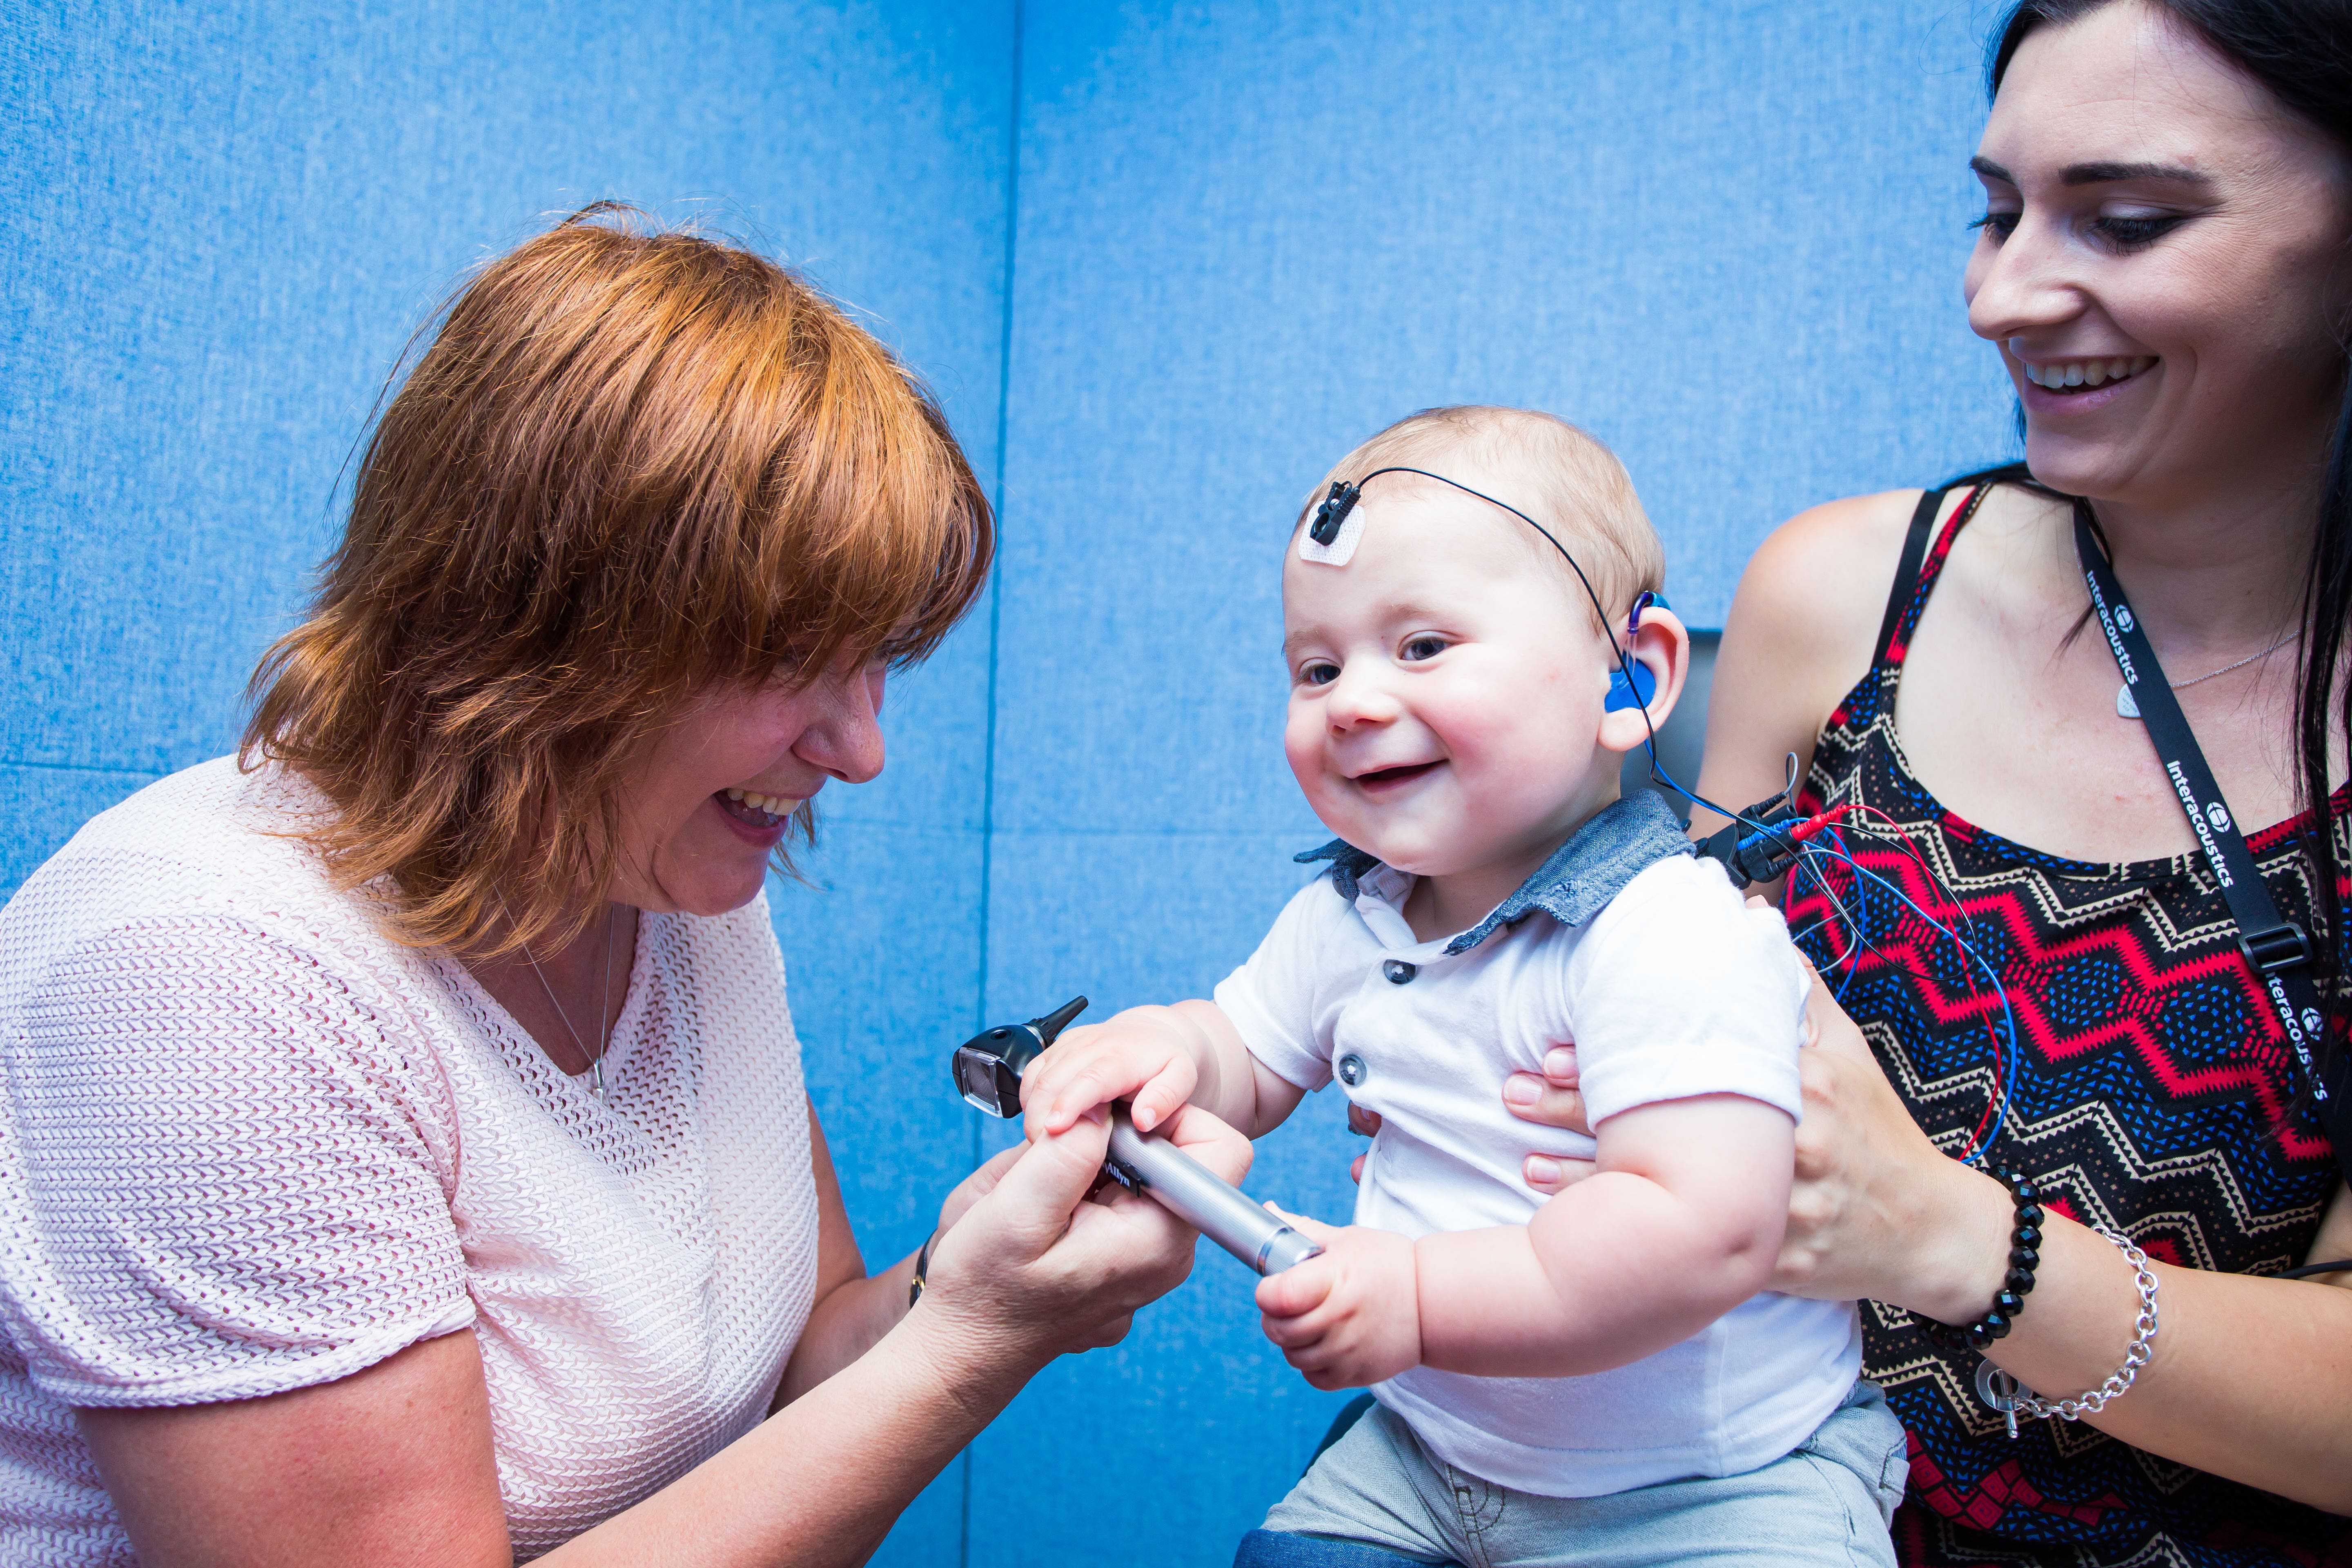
x: 2025, y: 1256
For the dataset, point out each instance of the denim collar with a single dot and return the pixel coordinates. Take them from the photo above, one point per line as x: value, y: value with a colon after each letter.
x: 1618, y: 844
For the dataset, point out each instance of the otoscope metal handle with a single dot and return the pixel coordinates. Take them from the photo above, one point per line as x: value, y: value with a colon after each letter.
x: 1195, y: 1194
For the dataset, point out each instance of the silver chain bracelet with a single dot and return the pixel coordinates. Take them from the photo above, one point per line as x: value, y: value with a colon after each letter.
x: 2006, y: 1394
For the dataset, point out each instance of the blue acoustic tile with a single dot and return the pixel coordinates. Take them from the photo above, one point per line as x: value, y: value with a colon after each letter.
x: 882, y: 962
x: 44, y: 806
x: 226, y: 221
x: 929, y: 1534
x: 1195, y: 1426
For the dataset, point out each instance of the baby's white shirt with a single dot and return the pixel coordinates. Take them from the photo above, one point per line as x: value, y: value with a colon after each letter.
x: 1673, y: 989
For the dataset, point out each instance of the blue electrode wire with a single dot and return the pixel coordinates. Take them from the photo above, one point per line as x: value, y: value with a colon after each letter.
x: 1650, y: 747
x: 2007, y: 1034
x: 1862, y: 901
x: 1857, y: 920
x: 1804, y: 871
x: 2005, y: 1040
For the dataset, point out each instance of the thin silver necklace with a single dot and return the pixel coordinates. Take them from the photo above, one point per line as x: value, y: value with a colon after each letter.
x: 2127, y: 709
x: 604, y: 1007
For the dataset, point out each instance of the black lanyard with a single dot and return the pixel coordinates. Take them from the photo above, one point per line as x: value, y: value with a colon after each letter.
x: 2279, y: 950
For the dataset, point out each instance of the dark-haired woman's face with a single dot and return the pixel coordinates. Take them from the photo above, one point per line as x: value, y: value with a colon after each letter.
x: 714, y: 793
x: 2163, y: 262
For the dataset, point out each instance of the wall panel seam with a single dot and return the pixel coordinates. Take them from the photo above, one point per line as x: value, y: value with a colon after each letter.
x: 996, y: 603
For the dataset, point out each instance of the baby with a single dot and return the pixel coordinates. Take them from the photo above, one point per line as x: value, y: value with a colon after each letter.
x: 1594, y: 1377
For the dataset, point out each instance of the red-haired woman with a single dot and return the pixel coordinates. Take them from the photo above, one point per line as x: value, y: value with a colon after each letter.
x: 403, y: 1150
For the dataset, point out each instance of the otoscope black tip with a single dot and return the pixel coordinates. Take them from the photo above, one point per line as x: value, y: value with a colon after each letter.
x: 1055, y: 1022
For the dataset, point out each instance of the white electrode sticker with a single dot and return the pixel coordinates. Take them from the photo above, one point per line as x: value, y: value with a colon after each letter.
x: 1343, y: 546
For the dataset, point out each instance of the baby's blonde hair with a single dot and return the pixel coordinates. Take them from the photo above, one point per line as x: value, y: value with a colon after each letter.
x: 1561, y: 477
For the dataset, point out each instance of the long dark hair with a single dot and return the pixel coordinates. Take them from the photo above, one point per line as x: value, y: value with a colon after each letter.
x: 2302, y: 51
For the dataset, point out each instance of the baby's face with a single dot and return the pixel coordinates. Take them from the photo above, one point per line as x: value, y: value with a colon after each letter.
x: 1445, y: 690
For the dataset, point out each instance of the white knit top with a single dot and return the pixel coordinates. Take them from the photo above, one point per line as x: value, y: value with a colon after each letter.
x: 247, y: 1144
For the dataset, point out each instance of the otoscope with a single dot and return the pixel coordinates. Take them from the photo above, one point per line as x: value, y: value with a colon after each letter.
x: 988, y: 1069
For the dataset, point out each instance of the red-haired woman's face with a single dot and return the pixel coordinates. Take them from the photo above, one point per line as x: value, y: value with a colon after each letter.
x: 714, y: 795
x: 2163, y: 262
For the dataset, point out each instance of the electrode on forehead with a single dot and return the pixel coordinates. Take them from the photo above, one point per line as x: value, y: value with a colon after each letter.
x: 1332, y: 538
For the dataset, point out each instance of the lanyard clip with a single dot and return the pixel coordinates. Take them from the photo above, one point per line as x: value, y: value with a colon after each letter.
x: 2283, y: 946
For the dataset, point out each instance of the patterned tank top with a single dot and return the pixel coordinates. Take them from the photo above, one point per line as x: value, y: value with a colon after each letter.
x: 2151, y: 1090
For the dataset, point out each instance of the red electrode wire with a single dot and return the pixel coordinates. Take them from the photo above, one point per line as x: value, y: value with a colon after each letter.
x: 1814, y: 824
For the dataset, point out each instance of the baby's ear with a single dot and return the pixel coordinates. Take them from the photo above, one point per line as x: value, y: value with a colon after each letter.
x: 1659, y: 652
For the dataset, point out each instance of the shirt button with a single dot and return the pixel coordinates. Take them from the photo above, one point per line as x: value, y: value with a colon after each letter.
x: 1399, y: 972
x: 1353, y: 1070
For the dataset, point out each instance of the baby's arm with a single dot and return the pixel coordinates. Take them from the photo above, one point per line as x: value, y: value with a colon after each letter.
x: 1158, y: 1058
x: 1680, y: 1223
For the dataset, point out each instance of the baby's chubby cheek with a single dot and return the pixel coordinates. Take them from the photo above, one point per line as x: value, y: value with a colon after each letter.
x: 1302, y: 746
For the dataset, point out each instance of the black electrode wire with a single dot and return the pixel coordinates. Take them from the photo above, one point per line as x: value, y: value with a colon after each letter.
x: 1608, y: 626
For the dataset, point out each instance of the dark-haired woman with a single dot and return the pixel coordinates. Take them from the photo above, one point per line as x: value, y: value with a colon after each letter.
x: 2165, y: 264
x: 404, y: 1154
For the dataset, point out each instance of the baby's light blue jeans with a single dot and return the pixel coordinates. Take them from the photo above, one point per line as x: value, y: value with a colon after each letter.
x: 1827, y: 1505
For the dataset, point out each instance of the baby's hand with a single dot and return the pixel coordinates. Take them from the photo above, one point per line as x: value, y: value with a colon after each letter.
x: 1143, y: 1056
x: 1350, y: 1317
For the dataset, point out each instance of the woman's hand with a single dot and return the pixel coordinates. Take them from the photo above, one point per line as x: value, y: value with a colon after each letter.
x: 977, y: 1185
x: 1877, y: 1208
x: 1029, y: 1268
x: 1550, y: 1098
x: 1877, y: 1211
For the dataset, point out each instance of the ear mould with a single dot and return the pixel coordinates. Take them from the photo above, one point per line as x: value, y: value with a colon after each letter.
x: 1633, y: 693
x: 1637, y: 691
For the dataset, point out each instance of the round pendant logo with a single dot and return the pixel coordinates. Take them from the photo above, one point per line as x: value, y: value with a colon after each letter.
x: 2218, y: 815
x: 2124, y: 616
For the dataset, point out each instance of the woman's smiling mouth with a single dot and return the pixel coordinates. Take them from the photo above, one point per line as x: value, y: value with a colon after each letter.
x: 761, y: 816
x: 2080, y: 375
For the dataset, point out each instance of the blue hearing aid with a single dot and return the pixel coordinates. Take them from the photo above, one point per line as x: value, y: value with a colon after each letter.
x: 1634, y: 691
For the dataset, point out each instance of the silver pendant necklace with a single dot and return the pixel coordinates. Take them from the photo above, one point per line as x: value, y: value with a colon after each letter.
x: 604, y: 1007
x: 2127, y: 709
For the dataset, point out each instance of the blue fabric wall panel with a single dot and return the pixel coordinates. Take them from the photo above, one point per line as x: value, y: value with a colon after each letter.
x: 224, y: 220
x: 1120, y: 916
x: 1727, y: 238
x: 882, y: 962
x: 46, y: 805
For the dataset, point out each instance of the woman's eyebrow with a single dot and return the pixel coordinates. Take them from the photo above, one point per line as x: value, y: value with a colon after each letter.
x: 2108, y: 173
x: 2101, y: 174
